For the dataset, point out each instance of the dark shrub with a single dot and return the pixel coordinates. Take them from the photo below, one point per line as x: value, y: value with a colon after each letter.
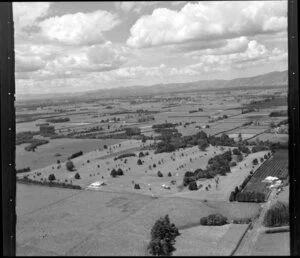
x: 232, y: 197
x: 261, y: 159
x: 105, y: 146
x: 232, y: 164
x: 239, y: 158
x: 120, y: 172
x: 58, y: 162
x: 203, y: 221
x: 139, y: 162
x: 51, y: 177
x: 88, y: 161
x: 193, y: 186
x: 169, y: 174
x: 141, y: 154
x: 244, y: 149
x: 137, y: 186
x: 216, y: 220
x: 154, y: 165
x: 259, y: 148
x: 255, y: 162
x: 236, y: 152
x: 70, y: 165
x: 77, y: 176
x: 159, y: 174
x: 277, y: 215
x: 113, y: 173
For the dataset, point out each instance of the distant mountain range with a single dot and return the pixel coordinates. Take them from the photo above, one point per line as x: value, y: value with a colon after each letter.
x: 268, y: 79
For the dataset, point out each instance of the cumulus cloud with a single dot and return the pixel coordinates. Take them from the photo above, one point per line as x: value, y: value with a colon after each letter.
x: 26, y: 16
x: 208, y: 21
x: 29, y: 64
x: 255, y: 54
x: 79, y: 28
x: 136, y: 7
x: 49, y: 62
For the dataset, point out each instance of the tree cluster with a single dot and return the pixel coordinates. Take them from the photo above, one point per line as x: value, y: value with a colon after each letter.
x: 163, y: 235
x: 277, y: 215
x: 216, y: 219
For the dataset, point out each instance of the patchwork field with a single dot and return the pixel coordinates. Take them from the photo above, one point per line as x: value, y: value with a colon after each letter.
x: 116, y: 219
x: 45, y: 155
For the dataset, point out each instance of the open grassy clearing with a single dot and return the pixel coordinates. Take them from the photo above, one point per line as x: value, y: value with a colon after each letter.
x: 187, y: 159
x: 272, y: 244
x: 209, y: 240
x: 226, y: 183
x: 60, y: 221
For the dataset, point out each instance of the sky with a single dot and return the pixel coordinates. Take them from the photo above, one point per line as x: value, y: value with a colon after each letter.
x: 65, y: 47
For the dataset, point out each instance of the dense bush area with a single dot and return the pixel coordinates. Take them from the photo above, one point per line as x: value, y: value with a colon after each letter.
x: 277, y: 215
x: 244, y: 149
x: 259, y: 148
x: 163, y: 235
x: 23, y: 170
x: 76, y: 154
x: 133, y: 131
x: 213, y: 220
x: 217, y: 165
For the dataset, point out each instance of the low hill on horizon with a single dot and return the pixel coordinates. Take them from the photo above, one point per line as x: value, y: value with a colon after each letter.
x: 269, y: 79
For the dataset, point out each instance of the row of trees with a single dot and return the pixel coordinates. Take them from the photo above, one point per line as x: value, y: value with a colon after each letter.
x: 277, y: 215
x: 26, y: 180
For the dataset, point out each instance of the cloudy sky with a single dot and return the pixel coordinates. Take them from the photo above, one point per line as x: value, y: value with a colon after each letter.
x: 79, y: 46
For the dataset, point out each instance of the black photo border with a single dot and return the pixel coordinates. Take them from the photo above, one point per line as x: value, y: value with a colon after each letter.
x: 7, y: 91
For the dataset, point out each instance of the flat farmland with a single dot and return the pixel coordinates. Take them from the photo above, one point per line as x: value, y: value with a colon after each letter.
x: 45, y: 154
x: 272, y: 137
x: 64, y: 222
x: 60, y: 222
x: 209, y: 240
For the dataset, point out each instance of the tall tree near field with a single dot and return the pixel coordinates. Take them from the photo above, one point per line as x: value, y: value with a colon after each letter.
x: 163, y: 235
